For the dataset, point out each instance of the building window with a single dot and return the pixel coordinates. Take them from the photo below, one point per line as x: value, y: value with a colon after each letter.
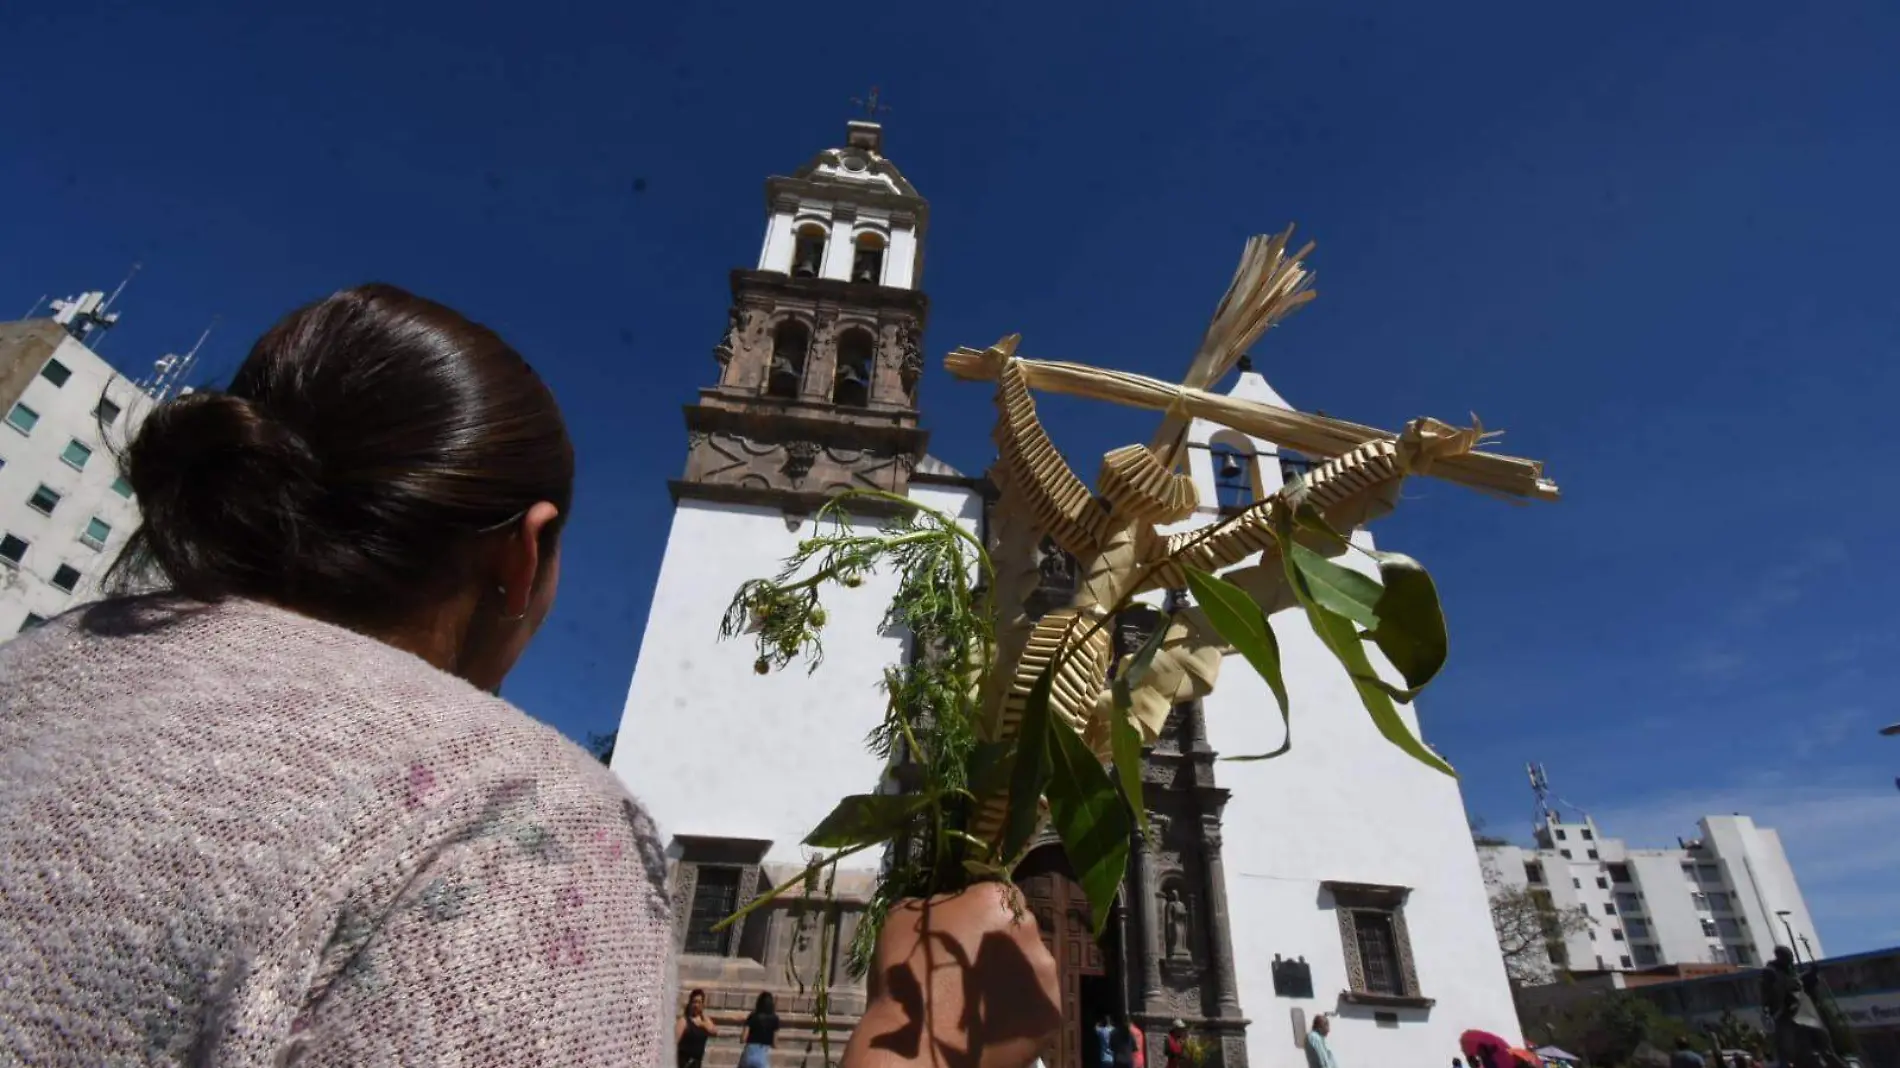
x: 1728, y: 927
x: 12, y: 548
x: 1637, y: 928
x: 1688, y: 871
x: 1593, y: 934
x: 1378, y: 950
x: 22, y: 418
x: 1561, y: 836
x: 1709, y: 873
x: 1718, y: 954
x: 1616, y: 935
x: 107, y: 412
x: 66, y: 577
x: 1576, y: 884
x: 715, y: 897
x: 851, y: 382
x: 1556, y: 952
x: 96, y: 532
x: 121, y: 487
x: 1619, y: 873
x: 1609, y: 909
x: 1645, y: 956
x: 1629, y: 902
x: 1700, y: 900
x: 1708, y: 928
x: 787, y: 372
x: 1742, y: 955
x: 1565, y: 853
x: 867, y: 262
x: 1602, y: 883
x: 1719, y: 902
x: 44, y: 500
x: 1592, y: 854
x: 1588, y: 834
x: 55, y: 372
x: 1627, y: 963
x: 808, y: 253
x: 715, y: 877
x: 1533, y: 871
x: 32, y: 620
x: 76, y: 454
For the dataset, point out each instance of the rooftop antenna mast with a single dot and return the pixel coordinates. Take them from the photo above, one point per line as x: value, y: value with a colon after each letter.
x: 1540, y: 788
x: 35, y: 309
x: 169, y: 371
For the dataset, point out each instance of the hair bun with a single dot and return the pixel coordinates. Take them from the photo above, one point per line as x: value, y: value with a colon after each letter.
x: 219, y: 478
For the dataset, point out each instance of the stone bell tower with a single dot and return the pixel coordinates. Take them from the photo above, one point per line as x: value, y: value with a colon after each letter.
x: 819, y: 365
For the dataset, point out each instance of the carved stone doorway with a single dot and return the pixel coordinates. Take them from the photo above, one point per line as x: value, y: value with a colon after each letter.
x: 1086, y: 971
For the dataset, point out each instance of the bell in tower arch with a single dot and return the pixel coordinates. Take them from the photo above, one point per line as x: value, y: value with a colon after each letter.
x: 808, y: 257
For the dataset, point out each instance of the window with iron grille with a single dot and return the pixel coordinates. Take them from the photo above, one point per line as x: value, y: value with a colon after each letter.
x: 715, y: 897
x: 1378, y: 952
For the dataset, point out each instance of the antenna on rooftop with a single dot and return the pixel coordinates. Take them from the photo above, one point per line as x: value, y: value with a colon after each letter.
x: 121, y: 289
x: 169, y: 371
x: 1540, y: 787
x: 34, y: 310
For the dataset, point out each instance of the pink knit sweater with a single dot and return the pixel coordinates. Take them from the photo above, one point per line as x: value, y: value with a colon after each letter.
x: 234, y: 835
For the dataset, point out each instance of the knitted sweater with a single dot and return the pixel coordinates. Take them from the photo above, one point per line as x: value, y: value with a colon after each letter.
x: 232, y: 835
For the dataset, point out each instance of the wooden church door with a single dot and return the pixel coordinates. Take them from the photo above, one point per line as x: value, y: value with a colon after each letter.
x: 1062, y: 916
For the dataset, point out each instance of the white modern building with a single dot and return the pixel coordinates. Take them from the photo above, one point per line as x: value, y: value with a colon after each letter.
x: 1727, y: 896
x: 66, y: 416
x: 1340, y: 878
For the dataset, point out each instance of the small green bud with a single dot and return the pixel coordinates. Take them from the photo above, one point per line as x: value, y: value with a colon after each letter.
x: 818, y: 617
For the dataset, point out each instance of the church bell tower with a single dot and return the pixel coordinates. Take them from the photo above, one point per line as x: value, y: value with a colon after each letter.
x: 819, y: 365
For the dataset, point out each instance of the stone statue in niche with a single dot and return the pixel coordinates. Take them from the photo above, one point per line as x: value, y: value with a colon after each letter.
x: 910, y: 360
x: 1174, y: 924
x: 735, y: 325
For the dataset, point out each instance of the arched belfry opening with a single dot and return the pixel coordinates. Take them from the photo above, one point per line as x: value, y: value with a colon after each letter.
x: 851, y: 379
x: 791, y: 342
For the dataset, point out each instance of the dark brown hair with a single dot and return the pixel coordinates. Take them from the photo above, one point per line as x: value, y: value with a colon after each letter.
x: 364, y: 446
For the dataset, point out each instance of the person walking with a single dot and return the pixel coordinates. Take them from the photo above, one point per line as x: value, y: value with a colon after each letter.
x: 760, y: 1034
x: 269, y: 810
x: 693, y: 1030
x: 1139, y: 1041
x: 1175, y: 1048
x: 1318, y: 1053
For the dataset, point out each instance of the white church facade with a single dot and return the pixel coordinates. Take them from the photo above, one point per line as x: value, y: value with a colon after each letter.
x: 1339, y: 878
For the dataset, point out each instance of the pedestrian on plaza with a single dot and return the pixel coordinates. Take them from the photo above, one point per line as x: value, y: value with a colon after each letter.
x: 760, y: 1034
x: 1175, y: 1047
x: 1105, y: 1042
x: 1685, y: 1055
x: 269, y: 810
x: 1139, y: 1040
x: 1318, y: 1053
x: 690, y: 1035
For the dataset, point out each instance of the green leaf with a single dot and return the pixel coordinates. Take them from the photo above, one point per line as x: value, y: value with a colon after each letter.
x: 1241, y: 623
x: 862, y: 819
x: 1124, y: 736
x: 1411, y: 629
x: 1340, y: 590
x: 1030, y: 772
x: 1342, y: 638
x: 1089, y: 815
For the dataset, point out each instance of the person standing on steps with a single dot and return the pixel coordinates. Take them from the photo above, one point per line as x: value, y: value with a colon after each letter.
x: 760, y: 1034
x: 692, y: 1031
x: 1176, y: 1046
x: 1318, y: 1053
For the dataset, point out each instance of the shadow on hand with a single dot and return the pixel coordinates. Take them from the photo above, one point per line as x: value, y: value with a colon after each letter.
x: 966, y: 1006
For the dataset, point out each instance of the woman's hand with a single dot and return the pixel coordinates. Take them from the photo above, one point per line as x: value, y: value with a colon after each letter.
x: 960, y: 981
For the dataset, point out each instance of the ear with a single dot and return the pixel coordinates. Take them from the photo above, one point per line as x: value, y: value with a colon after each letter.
x: 519, y: 562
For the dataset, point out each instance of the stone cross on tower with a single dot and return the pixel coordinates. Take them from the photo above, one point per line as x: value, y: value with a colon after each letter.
x: 871, y: 104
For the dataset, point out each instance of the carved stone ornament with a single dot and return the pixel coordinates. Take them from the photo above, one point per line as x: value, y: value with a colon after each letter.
x: 910, y: 361
x: 799, y: 456
x: 735, y: 326
x: 695, y: 438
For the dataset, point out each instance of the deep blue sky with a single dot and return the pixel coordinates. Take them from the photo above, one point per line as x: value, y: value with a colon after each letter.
x: 1654, y: 242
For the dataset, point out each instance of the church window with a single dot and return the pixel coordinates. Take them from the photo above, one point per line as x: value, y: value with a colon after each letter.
x: 808, y: 252
x: 867, y: 261
x: 851, y: 384
x: 715, y: 896
x: 1379, y: 967
x: 1378, y: 952
x: 787, y: 370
